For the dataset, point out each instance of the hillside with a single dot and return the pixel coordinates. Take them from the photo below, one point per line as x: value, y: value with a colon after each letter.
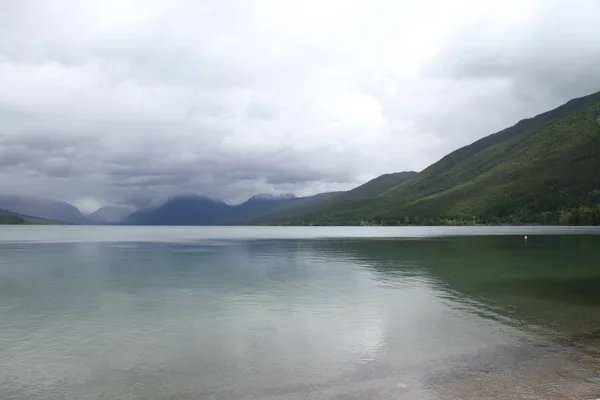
x: 377, y: 186
x: 200, y: 210
x: 544, y: 169
x: 269, y: 211
x: 182, y: 210
x: 12, y: 218
x: 110, y: 214
x: 361, y: 195
x: 43, y: 209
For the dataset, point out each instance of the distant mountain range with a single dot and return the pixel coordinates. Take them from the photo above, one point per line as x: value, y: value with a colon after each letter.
x: 110, y: 214
x: 179, y: 210
x: 543, y: 170
x: 12, y: 218
x: 8, y: 218
x: 46, y: 209
x: 200, y: 210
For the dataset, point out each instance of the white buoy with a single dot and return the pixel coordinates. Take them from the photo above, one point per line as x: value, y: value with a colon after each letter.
x: 525, y: 237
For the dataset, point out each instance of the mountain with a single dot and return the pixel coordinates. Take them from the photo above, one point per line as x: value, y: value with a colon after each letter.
x: 270, y: 197
x: 8, y: 218
x: 183, y: 210
x: 12, y: 218
x: 307, y: 212
x: 379, y: 185
x: 200, y: 210
x: 544, y: 170
x: 262, y: 209
x: 136, y: 218
x: 43, y: 208
x: 110, y: 214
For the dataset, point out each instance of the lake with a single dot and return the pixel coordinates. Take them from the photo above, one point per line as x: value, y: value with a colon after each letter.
x: 299, y: 313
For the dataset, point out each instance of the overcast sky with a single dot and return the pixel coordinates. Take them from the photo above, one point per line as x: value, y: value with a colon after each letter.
x: 123, y: 101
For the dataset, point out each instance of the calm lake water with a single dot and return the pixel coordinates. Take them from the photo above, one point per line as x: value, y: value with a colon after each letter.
x: 299, y: 313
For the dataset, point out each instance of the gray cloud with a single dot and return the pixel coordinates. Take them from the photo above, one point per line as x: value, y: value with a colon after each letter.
x: 261, y: 111
x: 127, y: 102
x: 549, y: 53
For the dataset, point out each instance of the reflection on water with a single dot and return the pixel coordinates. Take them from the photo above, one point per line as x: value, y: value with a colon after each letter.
x: 479, y: 317
x: 549, y: 281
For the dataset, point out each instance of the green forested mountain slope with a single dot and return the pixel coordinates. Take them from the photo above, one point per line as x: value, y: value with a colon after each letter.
x: 379, y: 185
x: 542, y: 170
x: 303, y: 211
x: 12, y: 218
x: 271, y: 211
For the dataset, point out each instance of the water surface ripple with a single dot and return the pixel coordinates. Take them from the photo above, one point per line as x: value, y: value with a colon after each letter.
x: 217, y: 313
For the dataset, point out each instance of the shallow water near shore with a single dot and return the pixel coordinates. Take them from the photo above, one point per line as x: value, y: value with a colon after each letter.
x: 290, y: 313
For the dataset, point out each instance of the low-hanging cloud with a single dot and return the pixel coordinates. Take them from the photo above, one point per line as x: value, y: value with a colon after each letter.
x: 129, y: 101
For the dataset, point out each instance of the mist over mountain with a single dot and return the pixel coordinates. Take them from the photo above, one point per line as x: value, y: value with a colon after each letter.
x: 201, y: 210
x: 110, y: 214
x: 53, y: 210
